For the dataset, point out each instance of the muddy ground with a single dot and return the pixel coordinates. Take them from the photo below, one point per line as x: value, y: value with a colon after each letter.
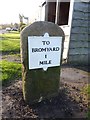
x: 71, y: 102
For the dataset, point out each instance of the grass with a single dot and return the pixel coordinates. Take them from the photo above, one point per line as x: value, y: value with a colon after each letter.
x: 86, y: 90
x: 10, y: 42
x: 10, y: 71
x: 10, y: 35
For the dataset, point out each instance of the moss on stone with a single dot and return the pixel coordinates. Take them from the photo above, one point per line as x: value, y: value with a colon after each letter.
x: 39, y: 83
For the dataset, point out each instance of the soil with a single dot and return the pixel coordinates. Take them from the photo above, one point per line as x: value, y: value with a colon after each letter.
x: 71, y: 102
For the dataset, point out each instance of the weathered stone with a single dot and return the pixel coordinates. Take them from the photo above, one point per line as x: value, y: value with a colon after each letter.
x: 39, y: 84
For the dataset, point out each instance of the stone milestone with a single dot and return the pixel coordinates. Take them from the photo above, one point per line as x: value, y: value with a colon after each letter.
x: 41, y: 56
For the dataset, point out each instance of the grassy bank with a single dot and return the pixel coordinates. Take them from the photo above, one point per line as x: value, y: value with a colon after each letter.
x: 10, y: 71
x: 10, y: 42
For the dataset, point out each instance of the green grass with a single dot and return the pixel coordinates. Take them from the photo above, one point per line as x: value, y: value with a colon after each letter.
x: 10, y: 42
x: 12, y: 35
x: 86, y: 90
x: 10, y: 71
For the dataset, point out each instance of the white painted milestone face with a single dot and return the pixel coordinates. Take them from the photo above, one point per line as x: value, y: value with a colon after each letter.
x: 44, y: 51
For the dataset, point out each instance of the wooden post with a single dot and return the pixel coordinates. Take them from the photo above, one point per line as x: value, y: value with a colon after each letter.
x: 57, y: 12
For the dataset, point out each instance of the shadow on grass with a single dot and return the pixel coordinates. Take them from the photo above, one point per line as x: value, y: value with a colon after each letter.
x: 10, y: 52
x: 8, y: 82
x: 10, y: 38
